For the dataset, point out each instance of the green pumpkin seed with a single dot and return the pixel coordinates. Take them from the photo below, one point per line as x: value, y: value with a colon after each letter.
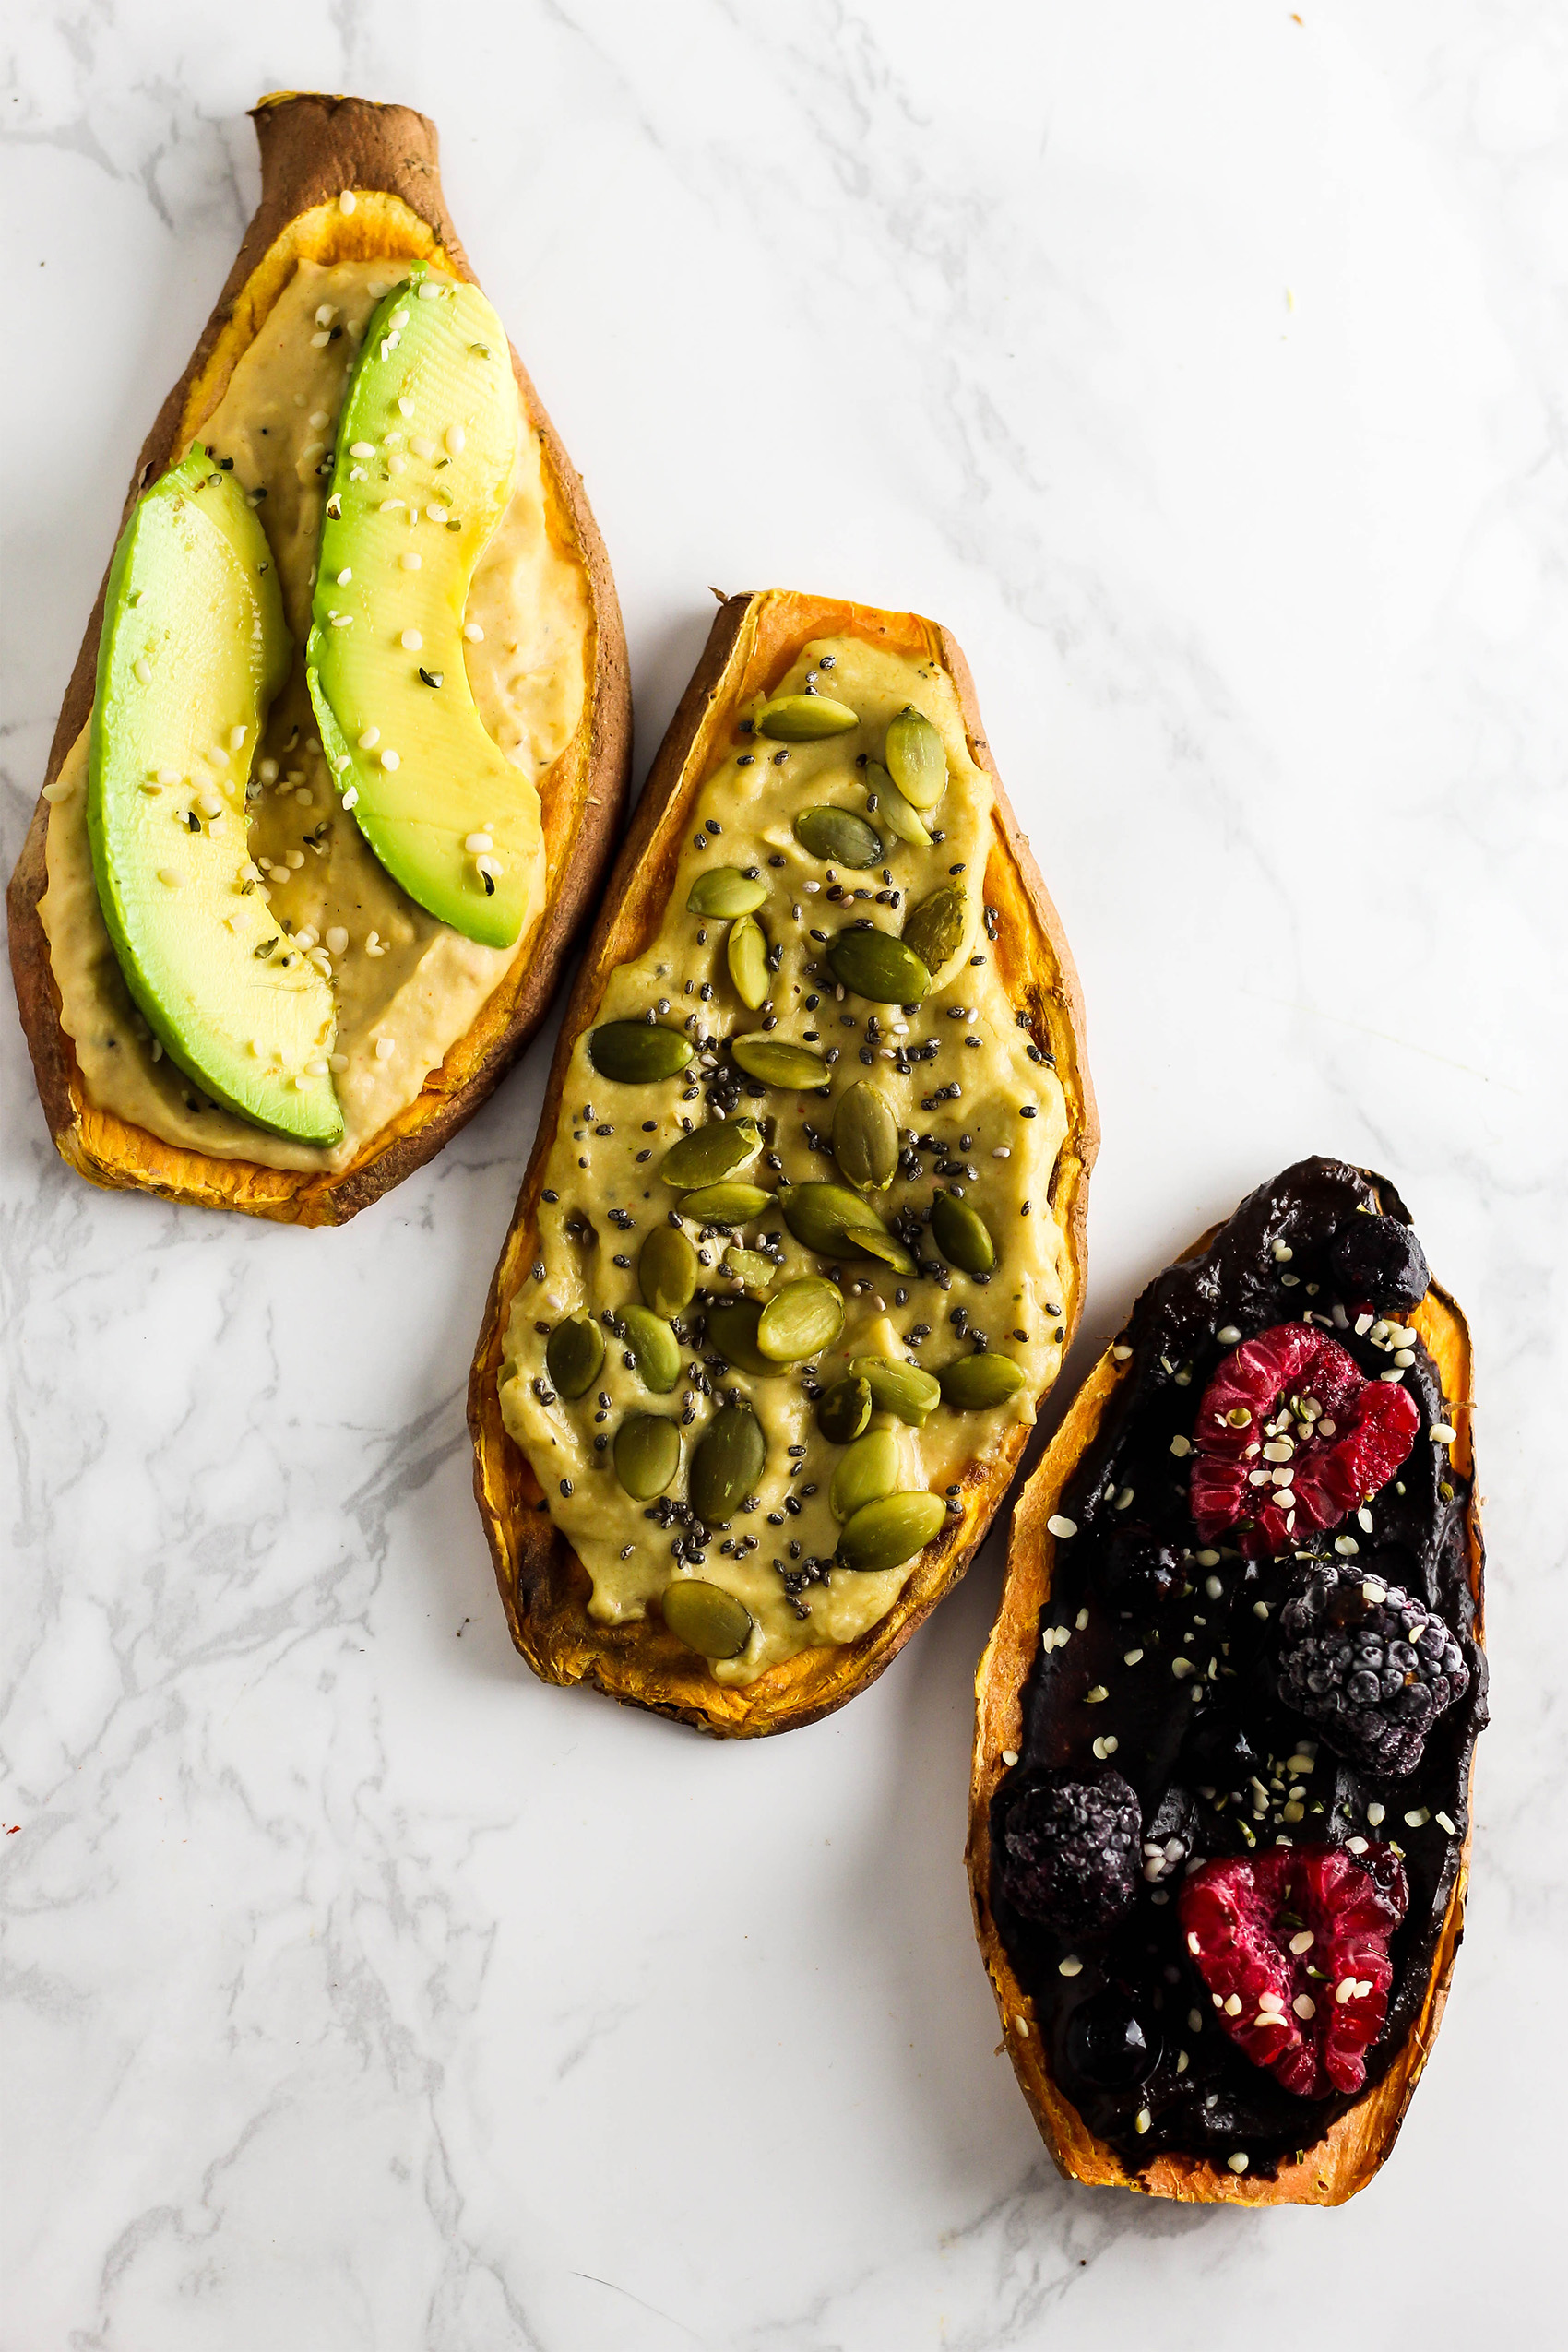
x: 975, y: 1383
x: 667, y: 1271
x: 935, y: 927
x: 751, y: 1268
x: 838, y: 836
x: 725, y: 893
x: 777, y: 1063
x: 726, y: 1204
x: 707, y: 1618
x: 865, y: 1137
x: 638, y: 1053
x: 653, y: 1346
x: 903, y: 1390
x: 731, y: 1333
x: 746, y: 952
x: 843, y: 1410
x: 572, y: 1354
x: 962, y: 1235
x: 868, y: 1471
x: 887, y: 1533
x: 801, y: 1319
x: 709, y: 1154
x: 727, y: 1464
x: 915, y: 757
x: 647, y: 1454
x: 804, y: 719
x: 900, y: 816
x: 877, y: 966
x: 873, y: 1242
x: 825, y: 1217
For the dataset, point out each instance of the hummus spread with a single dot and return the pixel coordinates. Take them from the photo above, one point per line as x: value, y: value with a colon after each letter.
x: 406, y: 987
x: 972, y: 1099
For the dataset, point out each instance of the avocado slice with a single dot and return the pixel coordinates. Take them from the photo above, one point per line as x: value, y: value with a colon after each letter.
x: 193, y: 649
x: 427, y: 445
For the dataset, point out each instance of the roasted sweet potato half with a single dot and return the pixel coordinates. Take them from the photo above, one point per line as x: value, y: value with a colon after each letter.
x: 1117, y: 2000
x: 789, y: 1342
x: 346, y: 184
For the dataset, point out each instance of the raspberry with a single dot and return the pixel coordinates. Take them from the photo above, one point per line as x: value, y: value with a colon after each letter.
x: 1370, y: 1664
x: 1294, y: 1950
x: 1378, y: 1262
x: 1333, y: 1439
x: 1070, y: 1850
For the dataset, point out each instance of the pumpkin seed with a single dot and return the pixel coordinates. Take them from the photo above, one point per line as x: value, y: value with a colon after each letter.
x: 838, y: 836
x: 873, y: 1242
x: 887, y: 1533
x: 751, y: 1268
x: 727, y: 1464
x: 667, y: 1271
x: 804, y: 719
x: 843, y: 1410
x: 653, y: 1346
x: 647, y: 1454
x: 572, y: 1354
x: 801, y: 1319
x: 877, y: 966
x: 935, y: 927
x: 962, y: 1235
x: 637, y: 1053
x: 726, y: 1204
x: 975, y: 1383
x: 777, y: 1063
x: 709, y: 1154
x: 707, y: 1618
x: 865, y: 1137
x: 746, y: 952
x: 915, y: 757
x: 725, y: 893
x: 825, y: 1217
x: 900, y: 816
x: 903, y: 1390
x: 867, y: 1471
x: 731, y: 1333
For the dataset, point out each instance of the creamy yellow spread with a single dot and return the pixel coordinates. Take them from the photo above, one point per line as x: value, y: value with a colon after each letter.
x: 405, y: 986
x: 1003, y: 1119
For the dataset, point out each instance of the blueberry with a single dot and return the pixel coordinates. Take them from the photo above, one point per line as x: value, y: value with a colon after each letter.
x: 1108, y: 2044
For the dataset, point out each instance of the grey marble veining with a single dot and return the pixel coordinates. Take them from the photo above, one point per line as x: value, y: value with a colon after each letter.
x: 1205, y: 370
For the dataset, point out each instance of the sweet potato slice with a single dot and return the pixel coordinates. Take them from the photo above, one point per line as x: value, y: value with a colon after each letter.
x: 544, y: 1586
x: 1350, y: 2152
x: 313, y: 148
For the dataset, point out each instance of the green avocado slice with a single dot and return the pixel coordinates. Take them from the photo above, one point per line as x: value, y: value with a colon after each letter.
x: 427, y: 445
x: 193, y: 649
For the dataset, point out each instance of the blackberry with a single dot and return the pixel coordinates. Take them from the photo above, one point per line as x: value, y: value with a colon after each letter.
x: 1378, y: 1262
x: 1371, y: 1665
x: 1071, y: 1851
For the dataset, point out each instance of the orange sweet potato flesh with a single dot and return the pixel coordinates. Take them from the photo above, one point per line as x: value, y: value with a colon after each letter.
x: 1351, y: 2151
x: 312, y: 147
x: 544, y: 1587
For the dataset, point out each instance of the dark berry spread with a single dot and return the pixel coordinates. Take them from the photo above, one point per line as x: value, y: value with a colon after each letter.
x: 1222, y: 1860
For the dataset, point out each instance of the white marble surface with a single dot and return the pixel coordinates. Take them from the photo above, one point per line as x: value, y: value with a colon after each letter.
x: 1204, y: 369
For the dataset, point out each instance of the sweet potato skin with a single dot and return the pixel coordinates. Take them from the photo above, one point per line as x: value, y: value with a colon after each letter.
x: 1354, y: 2147
x: 312, y: 147
x: 543, y: 1588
